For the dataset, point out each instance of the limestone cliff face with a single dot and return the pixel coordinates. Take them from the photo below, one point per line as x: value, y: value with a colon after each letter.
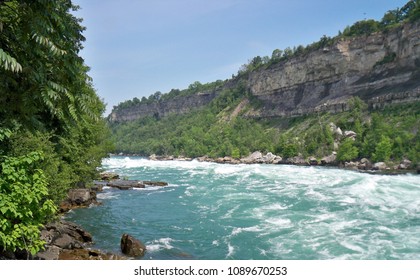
x: 380, y: 68
x: 176, y: 105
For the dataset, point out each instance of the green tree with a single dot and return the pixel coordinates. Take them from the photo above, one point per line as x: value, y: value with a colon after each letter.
x: 347, y: 150
x: 383, y: 149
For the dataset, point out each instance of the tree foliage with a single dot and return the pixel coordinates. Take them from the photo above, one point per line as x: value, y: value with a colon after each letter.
x: 47, y: 106
x: 23, y: 207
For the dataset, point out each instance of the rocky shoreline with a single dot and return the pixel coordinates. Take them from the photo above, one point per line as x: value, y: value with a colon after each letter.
x: 65, y: 240
x: 363, y: 165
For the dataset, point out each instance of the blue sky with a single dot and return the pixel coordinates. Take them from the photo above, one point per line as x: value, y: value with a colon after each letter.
x: 138, y: 47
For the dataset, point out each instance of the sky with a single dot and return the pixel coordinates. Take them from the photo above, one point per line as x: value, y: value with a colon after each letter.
x: 137, y: 47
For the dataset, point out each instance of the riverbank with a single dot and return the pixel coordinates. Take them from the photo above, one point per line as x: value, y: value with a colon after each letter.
x: 362, y: 165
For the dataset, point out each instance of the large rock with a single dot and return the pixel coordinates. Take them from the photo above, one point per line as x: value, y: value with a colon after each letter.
x: 329, y: 160
x: 126, y: 184
x: 107, y: 176
x: 62, y: 235
x: 297, y: 160
x: 131, y: 246
x: 77, y: 198
x: 252, y: 158
x: 87, y: 254
x: 350, y: 134
x: 269, y: 158
x: 155, y: 183
x: 379, y: 166
x: 405, y: 164
x: 312, y: 161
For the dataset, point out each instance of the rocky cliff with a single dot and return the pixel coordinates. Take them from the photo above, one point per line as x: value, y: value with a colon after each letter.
x: 381, y: 68
x: 176, y: 105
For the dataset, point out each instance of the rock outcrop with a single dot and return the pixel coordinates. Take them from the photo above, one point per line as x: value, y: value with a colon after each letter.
x: 77, y: 198
x: 132, y: 184
x: 177, y: 105
x: 325, y: 79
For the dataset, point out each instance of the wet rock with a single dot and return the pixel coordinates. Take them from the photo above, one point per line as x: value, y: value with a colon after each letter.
x: 108, y: 176
x: 126, y: 184
x: 131, y: 246
x: 77, y: 198
x: 87, y: 254
x: 155, y: 183
x: 313, y: 161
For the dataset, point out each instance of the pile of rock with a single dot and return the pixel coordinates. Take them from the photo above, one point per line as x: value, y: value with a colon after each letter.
x: 63, y: 241
x: 258, y: 157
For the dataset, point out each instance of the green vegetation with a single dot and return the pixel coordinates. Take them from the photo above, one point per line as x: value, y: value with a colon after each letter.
x: 23, y: 207
x: 382, y: 135
x: 52, y: 136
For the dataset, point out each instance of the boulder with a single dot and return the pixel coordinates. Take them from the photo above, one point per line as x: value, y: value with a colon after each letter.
x: 379, y: 166
x: 313, y: 161
x: 107, y: 176
x: 252, y: 158
x: 327, y: 160
x: 404, y: 164
x: 365, y: 164
x: 268, y: 158
x: 62, y: 235
x: 155, y: 183
x: 131, y: 246
x: 87, y: 254
x: 336, y: 130
x: 126, y: 184
x: 81, y: 196
x: 351, y: 165
x: 77, y: 198
x: 350, y: 134
x: 50, y: 253
x: 297, y: 160
x: 277, y: 160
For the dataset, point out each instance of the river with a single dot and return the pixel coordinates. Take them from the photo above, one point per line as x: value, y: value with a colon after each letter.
x: 216, y: 211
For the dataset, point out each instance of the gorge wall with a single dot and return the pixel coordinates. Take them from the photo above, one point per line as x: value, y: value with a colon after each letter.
x: 381, y: 68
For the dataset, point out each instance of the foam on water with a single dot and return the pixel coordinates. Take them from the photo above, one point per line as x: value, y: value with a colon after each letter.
x: 215, y: 211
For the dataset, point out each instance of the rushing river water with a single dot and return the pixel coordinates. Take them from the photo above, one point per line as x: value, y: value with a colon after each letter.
x: 214, y: 211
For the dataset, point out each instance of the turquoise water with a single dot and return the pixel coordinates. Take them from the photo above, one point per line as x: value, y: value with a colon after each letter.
x: 214, y: 211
